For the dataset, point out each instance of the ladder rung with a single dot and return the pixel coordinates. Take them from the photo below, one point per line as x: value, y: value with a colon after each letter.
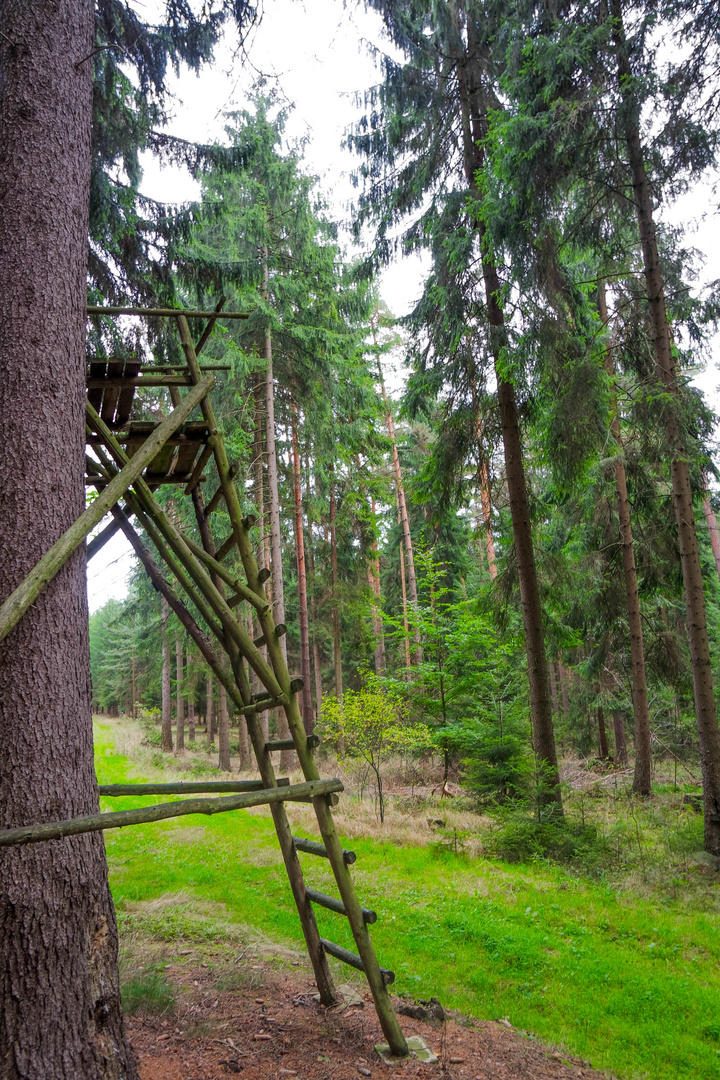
x: 312, y: 847
x: 263, y: 575
x: 350, y: 958
x: 289, y: 744
x: 332, y: 904
x: 249, y: 521
x: 296, y: 686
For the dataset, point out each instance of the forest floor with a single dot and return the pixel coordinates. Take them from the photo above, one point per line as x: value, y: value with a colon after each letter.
x: 612, y: 956
x: 257, y: 1016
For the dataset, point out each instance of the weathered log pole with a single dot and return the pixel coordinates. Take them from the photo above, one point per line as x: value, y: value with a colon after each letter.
x: 185, y: 788
x: 45, y: 570
x: 56, y: 830
x: 163, y: 313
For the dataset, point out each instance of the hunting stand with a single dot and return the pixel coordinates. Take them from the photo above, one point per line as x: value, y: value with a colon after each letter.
x: 128, y: 461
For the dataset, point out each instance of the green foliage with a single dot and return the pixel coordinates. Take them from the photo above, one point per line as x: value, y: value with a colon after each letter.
x: 372, y: 724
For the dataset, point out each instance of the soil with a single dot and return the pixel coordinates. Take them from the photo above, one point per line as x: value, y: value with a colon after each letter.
x: 271, y: 1028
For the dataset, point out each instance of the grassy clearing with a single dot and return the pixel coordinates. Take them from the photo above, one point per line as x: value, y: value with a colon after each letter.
x: 630, y: 982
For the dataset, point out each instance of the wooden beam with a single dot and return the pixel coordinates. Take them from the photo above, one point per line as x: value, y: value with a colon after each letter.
x: 312, y: 847
x: 138, y: 381
x: 332, y: 904
x: 183, y: 788
x: 352, y: 960
x: 56, y: 830
x: 232, y: 471
x: 165, y: 313
x: 191, y: 563
x: 45, y: 570
x: 98, y: 542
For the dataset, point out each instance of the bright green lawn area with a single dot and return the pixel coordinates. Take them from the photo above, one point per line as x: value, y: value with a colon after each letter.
x: 629, y: 985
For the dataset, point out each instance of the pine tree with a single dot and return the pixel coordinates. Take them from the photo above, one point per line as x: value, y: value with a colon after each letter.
x: 425, y: 143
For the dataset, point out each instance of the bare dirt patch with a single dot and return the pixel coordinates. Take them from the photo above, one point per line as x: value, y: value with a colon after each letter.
x: 262, y: 1023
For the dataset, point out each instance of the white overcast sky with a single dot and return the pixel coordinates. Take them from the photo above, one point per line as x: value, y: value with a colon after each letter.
x: 315, y: 55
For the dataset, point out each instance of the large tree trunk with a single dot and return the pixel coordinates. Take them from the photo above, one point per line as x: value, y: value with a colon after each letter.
x: 179, y: 700
x: 307, y: 709
x: 404, y: 519
x: 473, y: 110
x: 166, y: 701
x: 60, y: 1015
x: 337, y: 654
x: 707, y: 723
x: 642, y: 781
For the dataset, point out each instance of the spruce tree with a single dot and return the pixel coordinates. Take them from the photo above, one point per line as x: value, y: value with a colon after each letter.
x: 424, y: 145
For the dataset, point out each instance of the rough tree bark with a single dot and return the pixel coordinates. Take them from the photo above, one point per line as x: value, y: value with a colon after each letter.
x: 707, y: 722
x: 642, y: 780
x: 166, y: 701
x: 60, y: 1015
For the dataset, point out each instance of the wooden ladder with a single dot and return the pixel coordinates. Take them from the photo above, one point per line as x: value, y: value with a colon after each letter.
x: 200, y: 572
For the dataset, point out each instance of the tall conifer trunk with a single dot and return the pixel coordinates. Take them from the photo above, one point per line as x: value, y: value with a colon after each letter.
x: 402, y: 509
x: 713, y: 530
x: 223, y: 724
x: 473, y: 112
x: 278, y: 589
x: 403, y: 588
x: 209, y: 710
x: 60, y: 1015
x: 374, y: 582
x: 642, y: 781
x: 307, y: 709
x: 337, y: 654
x: 166, y: 700
x: 707, y: 723
x: 179, y: 700
x: 317, y: 669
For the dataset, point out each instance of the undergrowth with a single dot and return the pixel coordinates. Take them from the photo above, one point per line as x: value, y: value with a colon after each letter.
x: 585, y: 943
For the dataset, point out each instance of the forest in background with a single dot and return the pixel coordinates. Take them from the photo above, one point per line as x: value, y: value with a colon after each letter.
x: 500, y: 561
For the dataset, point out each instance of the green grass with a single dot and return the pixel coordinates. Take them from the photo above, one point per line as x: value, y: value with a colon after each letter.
x: 627, y: 983
x: 147, y: 993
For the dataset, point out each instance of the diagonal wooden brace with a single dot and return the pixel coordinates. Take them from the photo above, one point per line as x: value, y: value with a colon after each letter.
x: 45, y: 570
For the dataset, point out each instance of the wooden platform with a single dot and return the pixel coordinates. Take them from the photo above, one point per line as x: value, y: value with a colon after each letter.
x: 112, y: 384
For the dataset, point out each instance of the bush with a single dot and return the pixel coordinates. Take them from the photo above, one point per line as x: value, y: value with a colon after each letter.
x: 522, y: 838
